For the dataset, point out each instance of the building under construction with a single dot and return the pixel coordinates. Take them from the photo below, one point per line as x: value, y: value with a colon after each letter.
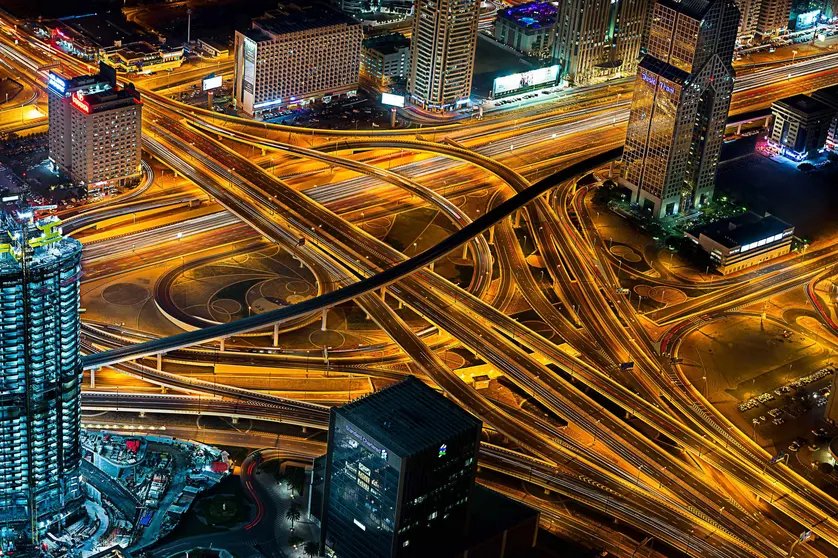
x: 40, y: 383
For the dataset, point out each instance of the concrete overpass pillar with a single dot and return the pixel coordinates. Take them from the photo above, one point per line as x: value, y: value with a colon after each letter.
x: 431, y: 267
x: 92, y: 378
x: 221, y: 345
x: 546, y: 491
x: 263, y: 152
x: 738, y: 128
x: 235, y: 420
x: 368, y: 315
x: 492, y: 234
x: 465, y: 251
x: 164, y: 390
x: 517, y: 218
x: 323, y: 321
x: 401, y: 305
x: 276, y: 335
x: 159, y: 362
x: 383, y: 292
x: 142, y: 414
x: 305, y: 429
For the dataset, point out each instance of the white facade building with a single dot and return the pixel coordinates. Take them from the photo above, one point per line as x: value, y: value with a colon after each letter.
x: 295, y: 55
x: 442, y: 54
x: 95, y: 129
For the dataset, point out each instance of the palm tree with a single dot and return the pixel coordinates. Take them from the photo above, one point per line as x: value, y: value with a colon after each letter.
x: 312, y: 549
x: 292, y: 514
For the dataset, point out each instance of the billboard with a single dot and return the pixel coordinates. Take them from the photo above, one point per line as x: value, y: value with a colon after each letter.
x: 56, y: 82
x: 212, y: 82
x: 249, y: 64
x: 506, y: 85
x: 392, y: 100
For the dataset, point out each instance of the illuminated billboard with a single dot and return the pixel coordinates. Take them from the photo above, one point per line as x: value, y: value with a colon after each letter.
x: 212, y: 82
x: 516, y: 82
x: 57, y: 82
x: 807, y: 20
x: 392, y: 100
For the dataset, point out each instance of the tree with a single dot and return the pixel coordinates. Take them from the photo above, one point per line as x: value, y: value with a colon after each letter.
x: 312, y: 549
x: 806, y: 167
x: 293, y: 514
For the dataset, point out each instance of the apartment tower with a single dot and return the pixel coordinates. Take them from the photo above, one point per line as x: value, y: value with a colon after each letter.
x: 442, y: 54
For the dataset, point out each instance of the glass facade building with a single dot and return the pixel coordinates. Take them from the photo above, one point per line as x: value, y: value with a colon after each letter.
x: 40, y: 385
x: 682, y: 94
x: 399, y: 476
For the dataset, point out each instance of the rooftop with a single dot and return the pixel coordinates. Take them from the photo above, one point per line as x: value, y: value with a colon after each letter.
x: 292, y: 18
x: 743, y: 229
x: 408, y: 417
x: 105, y: 29
x: 387, y: 44
x: 803, y: 104
x: 827, y: 95
x: 664, y: 70
x: 112, y: 98
x: 47, y: 244
x: 695, y: 9
x: 533, y: 15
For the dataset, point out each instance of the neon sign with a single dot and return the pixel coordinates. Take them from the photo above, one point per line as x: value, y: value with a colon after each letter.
x: 652, y: 81
x: 56, y: 82
x: 80, y: 104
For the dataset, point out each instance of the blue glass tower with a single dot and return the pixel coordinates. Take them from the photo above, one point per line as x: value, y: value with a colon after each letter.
x: 40, y: 378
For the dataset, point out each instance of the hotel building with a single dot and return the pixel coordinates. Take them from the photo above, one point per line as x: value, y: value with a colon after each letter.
x: 295, y: 55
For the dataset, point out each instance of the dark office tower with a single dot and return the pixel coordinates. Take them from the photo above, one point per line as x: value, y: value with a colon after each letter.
x: 399, y: 474
x: 681, y: 99
x: 40, y: 413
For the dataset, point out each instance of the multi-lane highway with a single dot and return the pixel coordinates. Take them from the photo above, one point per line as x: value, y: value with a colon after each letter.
x: 600, y: 460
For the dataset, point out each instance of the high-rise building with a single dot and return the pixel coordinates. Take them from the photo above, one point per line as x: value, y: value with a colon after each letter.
x: 681, y: 98
x: 749, y: 19
x: 294, y: 55
x: 399, y: 475
x: 442, y: 54
x: 599, y: 39
x: 773, y: 16
x: 95, y: 128
x: 386, y: 59
x: 528, y: 28
x: 40, y: 413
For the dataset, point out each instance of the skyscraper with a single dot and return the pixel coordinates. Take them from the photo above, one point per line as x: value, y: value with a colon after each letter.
x: 442, y: 54
x: 95, y: 128
x: 399, y: 474
x: 773, y: 16
x: 599, y: 38
x: 682, y: 94
x: 40, y: 388
x: 749, y: 20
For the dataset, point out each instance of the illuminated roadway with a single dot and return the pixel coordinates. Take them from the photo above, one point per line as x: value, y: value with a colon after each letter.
x: 516, y: 362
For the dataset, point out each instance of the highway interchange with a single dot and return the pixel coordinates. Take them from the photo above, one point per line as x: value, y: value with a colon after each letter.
x: 710, y: 492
